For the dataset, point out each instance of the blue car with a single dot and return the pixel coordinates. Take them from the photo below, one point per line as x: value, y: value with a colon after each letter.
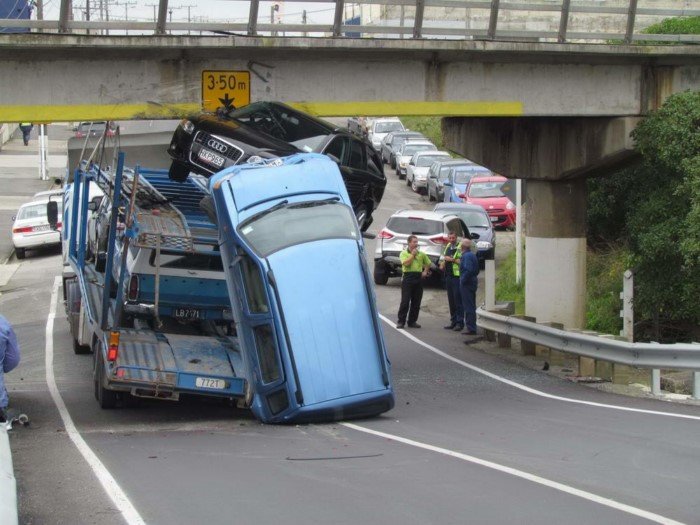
x: 458, y: 179
x: 300, y: 290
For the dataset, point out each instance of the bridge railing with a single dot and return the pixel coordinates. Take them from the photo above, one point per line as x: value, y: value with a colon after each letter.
x: 619, y: 21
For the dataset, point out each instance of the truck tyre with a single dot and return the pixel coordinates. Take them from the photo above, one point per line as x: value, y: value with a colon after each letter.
x: 20, y: 253
x: 380, y: 274
x: 80, y: 349
x: 107, y: 399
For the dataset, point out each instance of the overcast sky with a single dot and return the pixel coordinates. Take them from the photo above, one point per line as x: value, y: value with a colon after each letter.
x: 199, y: 10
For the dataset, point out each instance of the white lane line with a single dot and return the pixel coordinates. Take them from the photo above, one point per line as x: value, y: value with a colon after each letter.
x: 523, y: 475
x: 527, y: 388
x: 110, y: 485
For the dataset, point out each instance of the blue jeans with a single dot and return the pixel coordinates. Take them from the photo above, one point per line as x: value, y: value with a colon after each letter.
x: 454, y: 299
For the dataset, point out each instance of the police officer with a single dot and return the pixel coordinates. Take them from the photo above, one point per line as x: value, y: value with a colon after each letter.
x: 416, y: 266
x: 449, y: 264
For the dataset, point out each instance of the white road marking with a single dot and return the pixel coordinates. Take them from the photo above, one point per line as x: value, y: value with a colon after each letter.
x: 523, y: 475
x: 527, y: 388
x: 110, y: 485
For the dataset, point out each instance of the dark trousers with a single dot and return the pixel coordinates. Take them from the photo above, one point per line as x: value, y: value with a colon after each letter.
x: 411, y: 294
x: 468, y: 291
x: 454, y: 299
x: 26, y: 132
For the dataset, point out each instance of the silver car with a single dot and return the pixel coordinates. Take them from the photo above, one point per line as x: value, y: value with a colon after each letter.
x: 437, y: 175
x: 430, y: 227
x: 407, y: 150
x: 417, y: 171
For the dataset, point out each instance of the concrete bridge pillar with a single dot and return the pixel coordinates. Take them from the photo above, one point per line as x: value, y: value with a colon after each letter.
x: 555, y: 155
x: 555, y: 253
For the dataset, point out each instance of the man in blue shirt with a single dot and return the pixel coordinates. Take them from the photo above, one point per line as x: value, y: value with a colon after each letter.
x: 468, y: 283
x: 9, y: 359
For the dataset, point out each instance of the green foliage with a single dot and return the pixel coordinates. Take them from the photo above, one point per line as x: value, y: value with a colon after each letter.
x: 605, y: 269
x: 506, y: 287
x: 675, y: 26
x: 655, y: 209
x: 428, y: 126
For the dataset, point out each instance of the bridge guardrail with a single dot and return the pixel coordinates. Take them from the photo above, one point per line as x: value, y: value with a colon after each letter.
x: 482, y: 20
x: 654, y: 356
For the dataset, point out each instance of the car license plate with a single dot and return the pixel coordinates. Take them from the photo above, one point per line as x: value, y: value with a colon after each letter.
x: 187, y: 313
x: 494, y: 219
x: 42, y: 228
x: 208, y: 382
x: 211, y: 157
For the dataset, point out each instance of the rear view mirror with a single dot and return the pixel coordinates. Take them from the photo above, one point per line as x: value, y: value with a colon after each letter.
x: 52, y: 214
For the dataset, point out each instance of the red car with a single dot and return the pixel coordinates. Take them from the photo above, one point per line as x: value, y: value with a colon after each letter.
x: 486, y: 192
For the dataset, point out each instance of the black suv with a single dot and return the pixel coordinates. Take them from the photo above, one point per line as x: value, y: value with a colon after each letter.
x: 208, y: 143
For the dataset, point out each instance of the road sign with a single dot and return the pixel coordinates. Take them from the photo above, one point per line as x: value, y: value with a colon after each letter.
x: 225, y: 89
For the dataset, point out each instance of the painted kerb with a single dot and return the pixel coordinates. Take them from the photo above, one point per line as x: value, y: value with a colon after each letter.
x: 8, y: 487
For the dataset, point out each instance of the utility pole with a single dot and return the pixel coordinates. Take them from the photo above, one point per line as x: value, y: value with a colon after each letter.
x: 126, y: 10
x: 303, y: 20
x: 39, y: 9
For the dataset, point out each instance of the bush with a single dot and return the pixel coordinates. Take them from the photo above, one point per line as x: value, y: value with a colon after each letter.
x: 604, y: 274
x: 428, y: 126
x: 506, y: 287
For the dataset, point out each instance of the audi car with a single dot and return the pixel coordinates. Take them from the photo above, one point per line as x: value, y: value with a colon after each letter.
x: 207, y: 143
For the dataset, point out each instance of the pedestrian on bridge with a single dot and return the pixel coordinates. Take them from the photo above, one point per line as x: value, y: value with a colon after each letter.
x: 9, y: 359
x: 468, y: 273
x: 26, y: 128
x: 449, y: 264
x: 416, y: 267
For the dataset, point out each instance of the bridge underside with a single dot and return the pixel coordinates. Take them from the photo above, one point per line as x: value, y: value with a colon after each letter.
x: 47, y: 78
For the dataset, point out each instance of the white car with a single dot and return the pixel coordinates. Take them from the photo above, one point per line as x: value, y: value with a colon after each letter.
x: 31, y: 227
x: 406, y: 152
x: 379, y: 128
x: 418, y: 166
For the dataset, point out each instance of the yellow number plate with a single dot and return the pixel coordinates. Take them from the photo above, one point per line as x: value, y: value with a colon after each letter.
x: 225, y: 89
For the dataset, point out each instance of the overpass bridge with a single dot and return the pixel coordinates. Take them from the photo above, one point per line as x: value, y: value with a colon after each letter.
x: 552, y: 107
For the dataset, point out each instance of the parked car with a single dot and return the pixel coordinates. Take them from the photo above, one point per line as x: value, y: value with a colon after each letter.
x: 478, y: 221
x: 31, y: 227
x: 486, y: 192
x: 430, y: 227
x: 406, y: 152
x: 438, y: 174
x: 380, y: 127
x: 93, y: 129
x: 208, y: 143
x: 418, y: 166
x: 392, y: 142
x: 458, y: 178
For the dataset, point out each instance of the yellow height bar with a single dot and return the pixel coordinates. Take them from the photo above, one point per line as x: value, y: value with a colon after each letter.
x: 70, y: 113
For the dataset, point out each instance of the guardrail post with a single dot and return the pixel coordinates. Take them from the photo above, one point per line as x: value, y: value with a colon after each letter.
x: 526, y: 347
x: 564, y: 20
x: 554, y: 357
x: 490, y: 284
x: 493, y: 20
x: 418, y: 21
x: 656, y: 381
x: 696, y: 385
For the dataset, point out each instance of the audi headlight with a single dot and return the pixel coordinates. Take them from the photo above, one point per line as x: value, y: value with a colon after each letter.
x: 483, y: 245
x: 187, y: 126
x: 510, y: 206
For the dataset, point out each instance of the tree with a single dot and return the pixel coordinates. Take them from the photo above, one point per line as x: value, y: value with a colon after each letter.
x: 660, y: 203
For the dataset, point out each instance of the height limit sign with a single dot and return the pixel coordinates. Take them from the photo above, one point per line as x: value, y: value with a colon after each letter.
x: 225, y: 89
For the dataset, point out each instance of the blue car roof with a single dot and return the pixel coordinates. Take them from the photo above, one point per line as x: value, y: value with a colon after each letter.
x: 300, y: 174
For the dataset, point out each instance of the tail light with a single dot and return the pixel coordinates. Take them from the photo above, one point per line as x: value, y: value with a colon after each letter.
x: 79, y: 135
x: 439, y: 239
x: 133, y: 288
x: 113, y: 350
x: 384, y: 234
x: 24, y: 229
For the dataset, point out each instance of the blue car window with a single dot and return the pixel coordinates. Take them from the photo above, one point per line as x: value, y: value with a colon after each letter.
x: 267, y: 353
x: 254, y: 287
x: 298, y: 223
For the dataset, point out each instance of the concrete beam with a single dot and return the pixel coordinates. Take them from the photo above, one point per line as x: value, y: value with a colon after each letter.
x: 535, y: 148
x: 83, y: 77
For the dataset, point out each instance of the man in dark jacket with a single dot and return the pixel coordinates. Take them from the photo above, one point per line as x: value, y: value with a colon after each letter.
x: 468, y: 283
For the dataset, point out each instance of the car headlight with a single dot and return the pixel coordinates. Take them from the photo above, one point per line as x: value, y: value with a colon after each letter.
x: 510, y: 206
x: 187, y: 126
x: 403, y: 164
x: 483, y: 245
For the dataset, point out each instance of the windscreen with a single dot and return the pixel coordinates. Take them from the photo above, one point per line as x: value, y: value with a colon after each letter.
x: 387, y: 127
x: 427, y: 160
x: 292, y: 224
x: 464, y: 176
x: 410, y: 149
x: 485, y: 190
x: 474, y: 219
x: 37, y: 211
x: 415, y: 226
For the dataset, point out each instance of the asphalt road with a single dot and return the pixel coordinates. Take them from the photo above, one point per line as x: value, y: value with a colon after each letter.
x: 461, y: 445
